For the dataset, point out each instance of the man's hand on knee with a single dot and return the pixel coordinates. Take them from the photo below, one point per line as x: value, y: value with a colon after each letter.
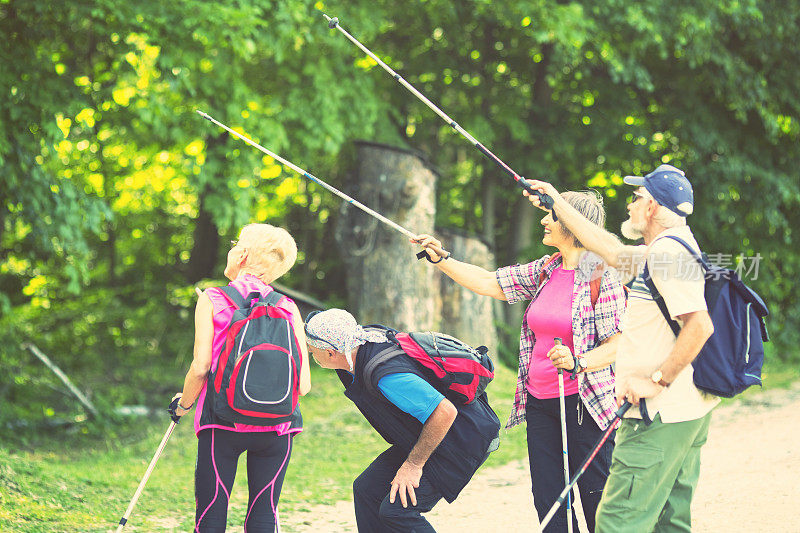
x: 406, y: 480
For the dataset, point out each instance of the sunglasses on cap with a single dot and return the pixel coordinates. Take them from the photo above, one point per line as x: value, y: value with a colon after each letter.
x: 311, y: 335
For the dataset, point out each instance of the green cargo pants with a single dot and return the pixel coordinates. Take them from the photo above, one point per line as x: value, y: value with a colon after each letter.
x: 654, y: 471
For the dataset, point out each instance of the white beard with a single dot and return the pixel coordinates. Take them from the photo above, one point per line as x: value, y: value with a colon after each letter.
x: 632, y: 231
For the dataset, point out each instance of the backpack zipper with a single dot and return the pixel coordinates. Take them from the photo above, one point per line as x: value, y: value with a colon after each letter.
x: 241, y: 342
x: 247, y: 368
x: 747, y: 348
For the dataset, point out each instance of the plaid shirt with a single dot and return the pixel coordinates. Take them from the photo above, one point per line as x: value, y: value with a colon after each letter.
x: 590, y: 326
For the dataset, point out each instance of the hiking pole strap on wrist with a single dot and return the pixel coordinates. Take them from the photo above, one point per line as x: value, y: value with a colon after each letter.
x: 423, y: 255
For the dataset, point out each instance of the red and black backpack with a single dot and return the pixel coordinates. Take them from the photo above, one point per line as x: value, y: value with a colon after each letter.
x: 257, y: 379
x: 456, y: 369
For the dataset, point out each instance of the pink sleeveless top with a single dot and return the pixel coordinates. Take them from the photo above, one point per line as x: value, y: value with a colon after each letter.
x: 550, y: 316
x: 223, y: 311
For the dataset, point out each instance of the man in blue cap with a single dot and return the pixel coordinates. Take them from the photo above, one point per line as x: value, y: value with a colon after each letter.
x: 655, y: 466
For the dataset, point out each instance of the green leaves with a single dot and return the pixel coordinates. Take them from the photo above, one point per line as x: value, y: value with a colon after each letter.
x: 109, y: 180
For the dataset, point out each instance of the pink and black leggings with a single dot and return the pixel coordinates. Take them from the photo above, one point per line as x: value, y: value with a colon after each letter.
x: 218, y: 452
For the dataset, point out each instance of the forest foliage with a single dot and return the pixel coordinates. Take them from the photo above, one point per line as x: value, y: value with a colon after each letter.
x: 116, y: 198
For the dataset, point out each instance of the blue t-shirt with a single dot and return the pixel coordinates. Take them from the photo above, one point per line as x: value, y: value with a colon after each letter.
x: 411, y: 394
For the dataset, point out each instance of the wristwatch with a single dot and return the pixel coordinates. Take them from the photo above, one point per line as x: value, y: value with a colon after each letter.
x: 583, y: 364
x: 658, y: 377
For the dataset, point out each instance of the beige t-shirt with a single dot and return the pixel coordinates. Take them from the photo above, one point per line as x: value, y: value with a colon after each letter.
x: 647, y: 339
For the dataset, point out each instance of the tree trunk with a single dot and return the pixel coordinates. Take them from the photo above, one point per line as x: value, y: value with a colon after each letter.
x: 310, y: 242
x: 526, y: 220
x: 488, y: 198
x: 467, y: 315
x: 386, y: 283
x: 203, y: 260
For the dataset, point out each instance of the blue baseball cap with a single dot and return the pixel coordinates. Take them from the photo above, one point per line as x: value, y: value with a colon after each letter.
x: 669, y: 187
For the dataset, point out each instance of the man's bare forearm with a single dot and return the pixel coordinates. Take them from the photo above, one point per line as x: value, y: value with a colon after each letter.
x: 697, y: 328
x: 433, y: 432
x: 603, y: 355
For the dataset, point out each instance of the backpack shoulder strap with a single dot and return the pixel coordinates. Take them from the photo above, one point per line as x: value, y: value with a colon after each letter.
x: 700, y: 259
x: 369, y: 369
x: 594, y: 285
x: 553, y: 258
x: 273, y: 298
x: 659, y: 300
x: 233, y: 296
x: 648, y: 281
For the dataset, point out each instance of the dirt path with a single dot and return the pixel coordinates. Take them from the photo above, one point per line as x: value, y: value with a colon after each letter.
x: 749, y: 482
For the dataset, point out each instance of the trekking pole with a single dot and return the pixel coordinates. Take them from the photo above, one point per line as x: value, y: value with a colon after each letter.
x: 564, y: 448
x: 545, y: 199
x: 315, y: 179
x: 589, y: 458
x: 124, y: 519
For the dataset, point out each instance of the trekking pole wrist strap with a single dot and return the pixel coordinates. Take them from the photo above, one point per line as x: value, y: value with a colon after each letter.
x: 575, y: 367
x: 423, y: 255
x: 441, y: 258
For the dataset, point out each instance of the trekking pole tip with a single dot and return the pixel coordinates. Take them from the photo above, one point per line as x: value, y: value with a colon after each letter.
x: 204, y: 115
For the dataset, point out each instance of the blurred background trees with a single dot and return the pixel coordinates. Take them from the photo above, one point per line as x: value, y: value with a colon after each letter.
x: 116, y: 198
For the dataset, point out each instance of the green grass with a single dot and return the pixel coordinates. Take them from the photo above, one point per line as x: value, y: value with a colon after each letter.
x: 83, y: 480
x: 774, y: 375
x: 71, y: 481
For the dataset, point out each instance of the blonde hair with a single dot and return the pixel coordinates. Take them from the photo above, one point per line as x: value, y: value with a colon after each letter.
x: 271, y: 251
x: 587, y: 203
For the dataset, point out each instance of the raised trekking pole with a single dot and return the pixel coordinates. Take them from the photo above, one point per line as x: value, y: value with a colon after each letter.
x: 545, y: 200
x: 589, y: 458
x: 124, y: 519
x: 316, y: 180
x: 564, y: 448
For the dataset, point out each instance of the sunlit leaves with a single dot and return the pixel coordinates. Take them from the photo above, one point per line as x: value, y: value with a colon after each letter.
x: 365, y: 63
x: 122, y: 96
x: 101, y: 100
x: 63, y: 124
x: 270, y: 172
x: 195, y: 148
x: 35, y: 286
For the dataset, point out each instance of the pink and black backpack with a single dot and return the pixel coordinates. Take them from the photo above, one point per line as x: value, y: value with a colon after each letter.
x: 257, y: 379
x: 458, y: 370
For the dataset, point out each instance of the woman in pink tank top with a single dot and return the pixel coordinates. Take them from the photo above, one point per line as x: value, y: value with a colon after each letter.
x: 575, y: 299
x: 262, y: 254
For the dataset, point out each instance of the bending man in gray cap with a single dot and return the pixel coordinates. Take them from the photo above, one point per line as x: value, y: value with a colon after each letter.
x: 655, y: 467
x: 436, y: 445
